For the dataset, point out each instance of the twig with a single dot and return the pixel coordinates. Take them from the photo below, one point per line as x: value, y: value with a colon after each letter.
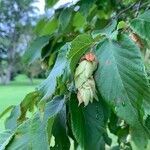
x: 121, y: 12
x: 138, y: 8
x: 146, y: 3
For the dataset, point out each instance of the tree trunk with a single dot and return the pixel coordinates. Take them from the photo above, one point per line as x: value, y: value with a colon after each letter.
x: 8, y: 74
x: 5, y: 76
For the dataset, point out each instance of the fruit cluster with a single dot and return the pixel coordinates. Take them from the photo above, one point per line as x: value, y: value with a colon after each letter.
x: 84, y: 81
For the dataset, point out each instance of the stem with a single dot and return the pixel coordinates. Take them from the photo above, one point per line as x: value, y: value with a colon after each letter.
x: 138, y: 8
x: 123, y: 11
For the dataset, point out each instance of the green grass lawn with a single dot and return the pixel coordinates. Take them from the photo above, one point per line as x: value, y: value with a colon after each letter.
x: 13, y: 93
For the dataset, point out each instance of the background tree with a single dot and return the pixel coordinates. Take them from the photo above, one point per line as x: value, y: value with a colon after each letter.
x: 96, y: 85
x: 17, y: 18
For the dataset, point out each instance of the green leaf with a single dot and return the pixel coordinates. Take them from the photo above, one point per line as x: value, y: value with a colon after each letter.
x: 54, y: 107
x: 48, y: 86
x: 35, y: 133
x: 141, y: 25
x: 40, y: 26
x: 49, y: 127
x: 88, y: 124
x: 33, y: 52
x: 79, y: 21
x: 60, y: 132
x: 28, y: 103
x: 6, y: 111
x: 5, y: 138
x: 113, y: 125
x: 30, y: 135
x: 51, y: 110
x: 51, y: 3
x: 49, y: 27
x: 118, y: 128
x: 107, y: 31
x: 147, y: 122
x: 121, y: 79
x: 121, y: 25
x: 11, y: 121
x: 79, y: 46
x: 65, y: 17
x: 86, y: 5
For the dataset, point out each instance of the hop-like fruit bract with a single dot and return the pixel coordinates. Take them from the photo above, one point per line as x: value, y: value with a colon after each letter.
x: 84, y: 71
x: 84, y: 80
x: 87, y: 92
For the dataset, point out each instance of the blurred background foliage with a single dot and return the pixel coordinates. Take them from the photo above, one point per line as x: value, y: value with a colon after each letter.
x: 17, y: 19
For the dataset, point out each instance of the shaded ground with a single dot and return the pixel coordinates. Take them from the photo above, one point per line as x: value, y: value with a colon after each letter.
x: 13, y: 93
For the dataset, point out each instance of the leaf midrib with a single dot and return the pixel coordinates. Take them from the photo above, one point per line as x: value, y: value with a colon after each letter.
x: 116, y: 66
x: 83, y: 47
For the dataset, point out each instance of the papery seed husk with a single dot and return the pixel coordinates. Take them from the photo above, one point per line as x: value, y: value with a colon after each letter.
x: 84, y: 81
x: 87, y: 92
x: 79, y: 97
x: 84, y: 96
x: 83, y: 72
